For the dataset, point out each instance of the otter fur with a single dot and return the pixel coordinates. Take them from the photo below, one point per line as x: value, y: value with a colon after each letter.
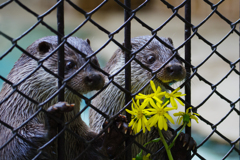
x: 23, y: 127
x: 112, y: 99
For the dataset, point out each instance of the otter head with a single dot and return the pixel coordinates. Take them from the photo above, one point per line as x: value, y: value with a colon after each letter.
x: 80, y: 74
x: 154, y: 56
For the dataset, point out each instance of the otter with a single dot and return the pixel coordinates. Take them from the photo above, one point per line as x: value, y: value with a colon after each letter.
x: 28, y: 124
x: 111, y: 100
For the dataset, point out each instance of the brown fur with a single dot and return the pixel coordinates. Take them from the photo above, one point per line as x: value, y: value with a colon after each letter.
x: 15, y: 109
x: 111, y: 100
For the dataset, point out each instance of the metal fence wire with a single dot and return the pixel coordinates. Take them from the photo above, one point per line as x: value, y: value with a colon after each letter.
x: 24, y: 136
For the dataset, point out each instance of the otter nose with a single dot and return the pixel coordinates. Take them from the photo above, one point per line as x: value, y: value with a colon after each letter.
x: 174, y: 69
x: 94, y: 81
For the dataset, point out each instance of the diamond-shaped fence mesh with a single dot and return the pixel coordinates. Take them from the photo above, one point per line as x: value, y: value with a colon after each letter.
x: 205, y: 34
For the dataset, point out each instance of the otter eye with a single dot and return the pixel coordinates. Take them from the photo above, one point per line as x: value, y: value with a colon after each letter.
x: 70, y: 65
x: 151, y: 59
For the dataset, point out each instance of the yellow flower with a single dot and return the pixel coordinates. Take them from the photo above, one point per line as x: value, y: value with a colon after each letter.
x: 186, y: 117
x: 157, y: 95
x: 160, y: 115
x: 140, y: 157
x: 138, y: 117
x: 147, y: 157
x: 173, y: 96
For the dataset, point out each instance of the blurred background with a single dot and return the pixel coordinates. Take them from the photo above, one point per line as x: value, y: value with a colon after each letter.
x: 14, y: 21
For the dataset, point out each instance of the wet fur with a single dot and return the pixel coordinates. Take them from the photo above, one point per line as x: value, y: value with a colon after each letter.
x: 15, y: 109
x: 112, y: 99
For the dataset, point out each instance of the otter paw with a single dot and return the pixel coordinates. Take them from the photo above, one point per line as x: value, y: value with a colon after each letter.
x: 182, y: 145
x: 60, y: 107
x: 120, y: 123
x: 54, y: 112
x: 115, y: 135
x: 187, y: 142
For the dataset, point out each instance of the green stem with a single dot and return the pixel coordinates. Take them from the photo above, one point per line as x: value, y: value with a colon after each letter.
x: 165, y: 145
x: 171, y: 145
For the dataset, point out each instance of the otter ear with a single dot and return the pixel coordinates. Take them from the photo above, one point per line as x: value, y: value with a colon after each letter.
x: 88, y: 41
x: 44, y: 47
x: 170, y: 40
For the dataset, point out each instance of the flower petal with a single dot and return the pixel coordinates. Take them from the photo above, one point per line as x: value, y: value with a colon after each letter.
x: 196, y: 114
x: 180, y: 101
x: 176, y: 90
x: 189, y: 124
x: 134, y: 103
x: 187, y: 111
x: 153, y: 86
x: 134, y: 127
x: 140, y: 96
x: 178, y: 114
x: 169, y: 118
x: 169, y: 108
x: 130, y: 112
x: 146, y: 123
x: 159, y: 89
x: 150, y: 111
x: 157, y: 99
x: 153, y: 120
x: 143, y: 105
x: 160, y: 122
x: 131, y: 123
x: 179, y: 94
x: 194, y: 117
x: 165, y: 126
x: 180, y: 120
x: 167, y: 95
x: 139, y: 125
x: 153, y: 104
x: 173, y: 103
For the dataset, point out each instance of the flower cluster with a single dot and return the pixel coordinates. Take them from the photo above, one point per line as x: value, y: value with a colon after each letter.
x: 185, y: 117
x: 139, y: 119
x: 152, y: 111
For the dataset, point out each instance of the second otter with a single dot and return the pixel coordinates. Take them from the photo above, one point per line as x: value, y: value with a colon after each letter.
x: 153, y: 56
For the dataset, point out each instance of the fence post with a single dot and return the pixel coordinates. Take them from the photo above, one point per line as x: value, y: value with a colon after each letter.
x: 60, y: 28
x: 127, y: 44
x: 188, y: 67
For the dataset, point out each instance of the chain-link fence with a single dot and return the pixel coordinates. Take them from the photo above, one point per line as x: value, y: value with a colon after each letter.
x: 63, y: 68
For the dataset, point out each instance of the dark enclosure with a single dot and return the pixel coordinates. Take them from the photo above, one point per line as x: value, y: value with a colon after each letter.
x: 204, y: 32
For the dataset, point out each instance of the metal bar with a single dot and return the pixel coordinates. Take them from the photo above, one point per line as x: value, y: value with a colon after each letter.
x: 188, y: 67
x: 127, y: 44
x: 60, y: 27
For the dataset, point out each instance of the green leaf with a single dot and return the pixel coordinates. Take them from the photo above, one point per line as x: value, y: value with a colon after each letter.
x: 139, y: 156
x: 156, y: 140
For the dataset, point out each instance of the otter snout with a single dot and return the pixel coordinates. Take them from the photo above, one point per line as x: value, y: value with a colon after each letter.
x: 95, y: 81
x: 174, y: 70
